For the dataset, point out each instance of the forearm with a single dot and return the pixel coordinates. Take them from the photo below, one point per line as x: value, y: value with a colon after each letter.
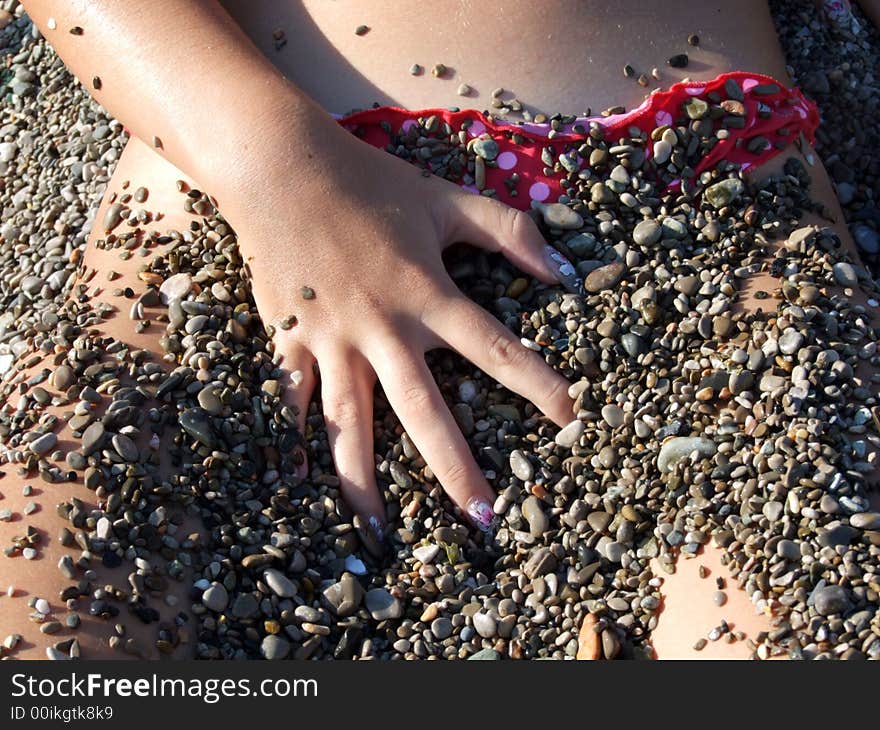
x: 183, y: 77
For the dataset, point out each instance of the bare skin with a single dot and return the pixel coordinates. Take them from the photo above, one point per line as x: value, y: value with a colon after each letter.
x: 562, y: 57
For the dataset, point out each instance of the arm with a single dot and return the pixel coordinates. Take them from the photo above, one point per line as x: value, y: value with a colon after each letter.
x: 314, y: 206
x: 181, y: 72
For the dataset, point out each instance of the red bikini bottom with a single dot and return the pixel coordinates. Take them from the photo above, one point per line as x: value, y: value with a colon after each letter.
x: 761, y: 117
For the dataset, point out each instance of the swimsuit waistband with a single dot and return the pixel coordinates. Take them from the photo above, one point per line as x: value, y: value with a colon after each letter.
x: 761, y: 117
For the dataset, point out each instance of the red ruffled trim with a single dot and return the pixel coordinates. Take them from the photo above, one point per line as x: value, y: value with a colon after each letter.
x: 790, y: 114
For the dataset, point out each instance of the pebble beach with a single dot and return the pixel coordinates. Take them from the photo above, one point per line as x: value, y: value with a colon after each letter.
x: 696, y: 421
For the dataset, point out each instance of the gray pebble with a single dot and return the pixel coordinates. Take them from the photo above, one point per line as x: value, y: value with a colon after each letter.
x: 613, y: 415
x: 441, y: 628
x: 279, y: 583
x: 215, y: 597
x: 274, y: 647
x: 44, y: 444
x: 382, y: 605
x: 845, y: 274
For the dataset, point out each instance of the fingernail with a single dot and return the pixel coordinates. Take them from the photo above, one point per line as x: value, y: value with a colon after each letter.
x: 302, y: 469
x: 376, y: 528
x: 481, y: 512
x: 563, y: 270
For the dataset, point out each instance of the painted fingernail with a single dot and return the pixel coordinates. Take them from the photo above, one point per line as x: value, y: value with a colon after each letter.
x: 563, y: 270
x: 481, y: 512
x: 376, y: 528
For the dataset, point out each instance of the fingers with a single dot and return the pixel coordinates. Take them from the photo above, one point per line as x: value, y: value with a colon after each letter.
x: 298, y: 380
x: 478, y: 336
x: 416, y: 400
x: 494, y: 226
x: 347, y: 398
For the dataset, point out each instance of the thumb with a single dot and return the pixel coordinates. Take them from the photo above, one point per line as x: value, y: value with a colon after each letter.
x: 494, y: 226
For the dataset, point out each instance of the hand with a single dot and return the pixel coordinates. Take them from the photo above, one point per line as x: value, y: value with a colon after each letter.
x: 366, y: 236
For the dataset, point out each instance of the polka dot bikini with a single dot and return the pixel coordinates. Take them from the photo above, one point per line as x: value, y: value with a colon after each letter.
x: 773, y: 116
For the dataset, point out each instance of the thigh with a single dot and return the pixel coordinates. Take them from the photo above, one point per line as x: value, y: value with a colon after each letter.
x: 33, y: 502
x: 700, y: 595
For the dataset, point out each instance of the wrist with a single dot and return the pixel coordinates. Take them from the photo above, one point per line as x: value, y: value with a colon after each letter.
x: 282, y: 147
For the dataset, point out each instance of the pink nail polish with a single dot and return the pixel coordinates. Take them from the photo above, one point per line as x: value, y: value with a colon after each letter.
x: 481, y: 512
x: 563, y: 270
x: 376, y: 527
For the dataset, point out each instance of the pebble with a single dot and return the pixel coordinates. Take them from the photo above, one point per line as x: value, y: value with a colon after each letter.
x: 570, y: 434
x: 534, y: 514
x: 8, y: 150
x: 610, y: 644
x: 279, y: 583
x: 345, y: 596
x: 520, y: 466
x: 44, y: 444
x: 92, y: 438
x: 216, y: 598
x: 441, y: 628
x: 788, y: 549
x: 608, y: 456
x: 648, y: 232
x: 244, y: 606
x: 866, y: 520
x: 426, y: 553
x: 865, y: 237
x: 196, y: 423
x: 62, y: 378
x: 557, y: 215
x: 274, y: 647
x: 485, y: 625
x: 830, y: 600
x: 662, y: 152
x: 175, y: 287
x: 845, y: 274
x: 659, y: 333
x: 65, y: 565
x: 675, y: 449
x: 210, y: 401
x: 485, y: 655
x: 632, y: 344
x: 724, y: 193
x: 125, y: 447
x: 382, y: 605
x: 615, y: 551
x: 613, y: 415
x: 605, y: 277
x: 791, y: 342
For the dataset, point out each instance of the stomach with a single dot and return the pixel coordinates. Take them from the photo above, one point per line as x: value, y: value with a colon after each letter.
x: 563, y: 56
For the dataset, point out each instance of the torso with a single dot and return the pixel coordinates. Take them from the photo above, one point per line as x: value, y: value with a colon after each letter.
x: 566, y: 55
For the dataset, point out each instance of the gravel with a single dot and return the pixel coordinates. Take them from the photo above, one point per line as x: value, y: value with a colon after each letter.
x: 693, y: 421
